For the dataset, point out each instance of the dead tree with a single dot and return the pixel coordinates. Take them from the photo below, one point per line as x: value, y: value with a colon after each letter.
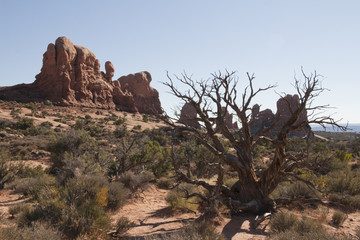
x: 212, y: 99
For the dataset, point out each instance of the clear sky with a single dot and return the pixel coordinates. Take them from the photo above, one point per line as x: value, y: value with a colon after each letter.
x: 270, y: 38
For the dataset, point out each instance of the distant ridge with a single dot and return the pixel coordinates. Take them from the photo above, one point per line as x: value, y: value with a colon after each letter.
x: 353, y: 127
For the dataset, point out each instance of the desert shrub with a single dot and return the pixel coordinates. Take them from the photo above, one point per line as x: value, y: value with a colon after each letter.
x: 294, y: 191
x: 30, y: 172
x: 121, y: 131
x: 134, y: 181
x: 79, y: 124
x: 301, y: 190
x: 29, y: 215
x: 117, y: 195
x: 4, y: 124
x: 164, y: 182
x: 48, y: 103
x: 307, y: 225
x: 282, y: 221
x: 96, y: 131
x: 33, y: 186
x: 76, y: 208
x: 287, y: 226
x: 158, y: 135
x: 119, y: 121
x: 137, y: 127
x: 25, y: 123
x: 71, y: 141
x: 39, y: 231
x: 178, y: 201
x: 338, y: 218
x: 145, y: 118
x: 46, y: 124
x: 344, y: 182
x: 8, y: 170
x: 15, y: 209
x: 350, y: 202
x: 122, y: 225
x: 320, y: 147
x: 75, y: 153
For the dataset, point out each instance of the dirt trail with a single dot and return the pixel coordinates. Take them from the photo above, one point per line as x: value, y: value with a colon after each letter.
x: 151, y: 214
x: 8, y: 199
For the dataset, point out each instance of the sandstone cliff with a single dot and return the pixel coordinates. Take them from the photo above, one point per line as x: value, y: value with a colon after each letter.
x: 71, y: 76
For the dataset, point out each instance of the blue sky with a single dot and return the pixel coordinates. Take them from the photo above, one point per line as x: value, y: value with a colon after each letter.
x: 271, y: 39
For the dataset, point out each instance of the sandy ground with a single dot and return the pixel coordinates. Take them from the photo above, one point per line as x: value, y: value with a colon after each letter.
x: 150, y: 212
x: 151, y: 215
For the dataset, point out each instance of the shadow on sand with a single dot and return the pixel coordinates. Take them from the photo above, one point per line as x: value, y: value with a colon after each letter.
x: 236, y: 225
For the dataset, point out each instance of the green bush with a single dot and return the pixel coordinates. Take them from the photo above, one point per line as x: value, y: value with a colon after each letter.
x: 137, y: 127
x: 25, y: 123
x: 121, y: 132
x: 77, y: 208
x: 119, y: 121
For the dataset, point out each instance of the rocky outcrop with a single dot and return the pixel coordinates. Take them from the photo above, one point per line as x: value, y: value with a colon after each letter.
x: 188, y: 116
x: 229, y: 121
x: 71, y: 76
x: 146, y: 98
x: 261, y: 120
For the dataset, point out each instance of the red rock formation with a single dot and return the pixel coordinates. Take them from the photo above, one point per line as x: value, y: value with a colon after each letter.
x: 285, y: 106
x: 71, y: 75
x: 188, y: 116
x: 229, y: 121
x: 146, y: 98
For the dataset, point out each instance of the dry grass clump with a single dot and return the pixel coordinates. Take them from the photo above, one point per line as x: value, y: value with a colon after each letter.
x: 338, y: 218
x: 286, y: 226
x: 122, y: 225
x: 38, y: 231
x: 134, y: 181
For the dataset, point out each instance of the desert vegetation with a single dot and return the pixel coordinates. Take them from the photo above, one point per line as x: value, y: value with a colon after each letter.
x: 74, y: 169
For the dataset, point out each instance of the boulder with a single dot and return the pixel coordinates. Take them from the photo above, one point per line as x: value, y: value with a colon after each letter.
x: 188, y: 116
x: 146, y: 98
